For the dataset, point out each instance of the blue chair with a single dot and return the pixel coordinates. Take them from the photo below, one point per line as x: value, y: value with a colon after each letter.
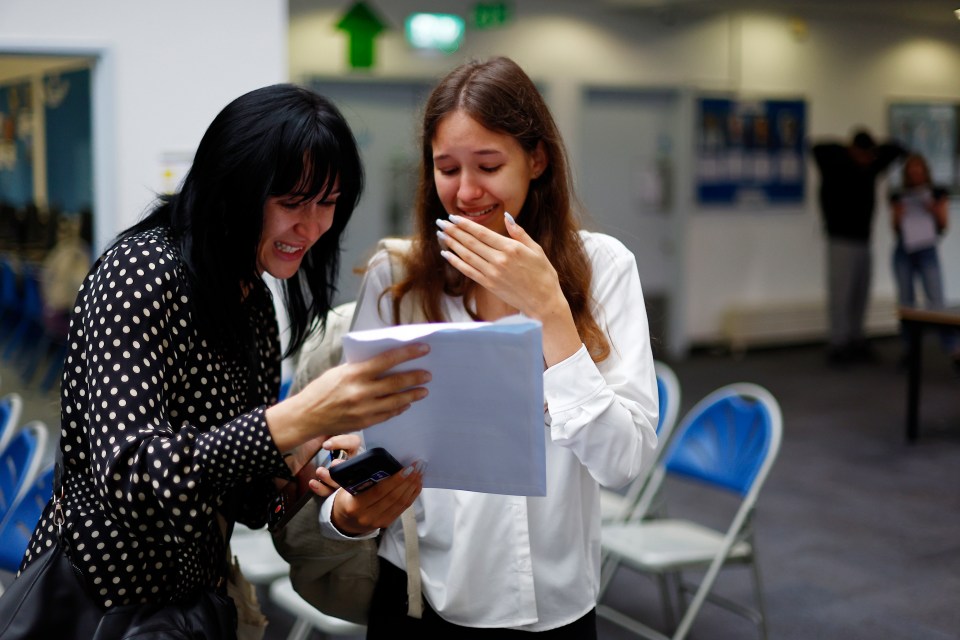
x: 11, y: 406
x: 18, y: 525
x: 615, y: 505
x: 26, y: 335
x: 285, y: 385
x: 725, y: 445
x: 20, y: 463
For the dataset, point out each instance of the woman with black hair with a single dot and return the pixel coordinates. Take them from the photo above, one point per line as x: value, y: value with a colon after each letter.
x: 169, y: 395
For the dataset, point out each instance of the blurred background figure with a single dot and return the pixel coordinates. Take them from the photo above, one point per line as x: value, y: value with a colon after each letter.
x: 64, y: 269
x: 848, y: 175
x: 920, y: 214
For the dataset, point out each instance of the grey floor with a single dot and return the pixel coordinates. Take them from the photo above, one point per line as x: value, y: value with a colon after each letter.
x: 858, y: 532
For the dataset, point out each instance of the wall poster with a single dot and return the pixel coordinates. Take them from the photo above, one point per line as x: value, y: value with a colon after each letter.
x: 929, y: 129
x: 750, y: 151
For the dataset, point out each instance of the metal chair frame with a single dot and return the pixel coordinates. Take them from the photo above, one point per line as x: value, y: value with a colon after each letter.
x: 616, y: 506
x: 727, y: 442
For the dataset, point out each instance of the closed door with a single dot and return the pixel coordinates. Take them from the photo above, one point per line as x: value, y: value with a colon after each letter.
x: 385, y: 118
x: 627, y: 180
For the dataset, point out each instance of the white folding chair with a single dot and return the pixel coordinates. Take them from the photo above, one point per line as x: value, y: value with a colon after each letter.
x: 727, y: 444
x: 618, y: 506
x: 258, y: 558
x: 308, y: 618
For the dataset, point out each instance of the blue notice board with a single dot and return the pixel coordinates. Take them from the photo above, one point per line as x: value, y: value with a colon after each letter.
x: 750, y: 151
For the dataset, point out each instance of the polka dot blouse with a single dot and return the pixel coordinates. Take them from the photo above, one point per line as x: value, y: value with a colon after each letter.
x: 158, y: 431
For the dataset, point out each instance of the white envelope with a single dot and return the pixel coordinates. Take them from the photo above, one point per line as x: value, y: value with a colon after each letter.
x: 481, y: 427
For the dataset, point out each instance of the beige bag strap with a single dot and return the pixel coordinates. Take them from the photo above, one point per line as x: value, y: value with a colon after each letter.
x: 409, y: 313
x: 410, y: 542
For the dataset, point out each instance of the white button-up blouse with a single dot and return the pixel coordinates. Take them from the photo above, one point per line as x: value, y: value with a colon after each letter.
x: 533, y: 563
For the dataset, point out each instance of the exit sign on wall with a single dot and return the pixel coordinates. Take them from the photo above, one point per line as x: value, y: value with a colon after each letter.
x: 487, y: 15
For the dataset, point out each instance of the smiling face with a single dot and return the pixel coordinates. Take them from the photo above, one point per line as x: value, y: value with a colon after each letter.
x: 915, y: 172
x: 480, y: 173
x: 291, y: 226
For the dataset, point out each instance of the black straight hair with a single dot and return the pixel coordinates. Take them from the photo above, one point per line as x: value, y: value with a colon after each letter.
x: 278, y: 140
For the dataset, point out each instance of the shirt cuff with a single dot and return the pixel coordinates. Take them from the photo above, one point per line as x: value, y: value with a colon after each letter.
x: 330, y: 530
x: 571, y: 382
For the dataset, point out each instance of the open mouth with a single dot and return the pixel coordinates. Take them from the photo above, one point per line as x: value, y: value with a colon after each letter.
x: 287, y: 248
x: 477, y: 214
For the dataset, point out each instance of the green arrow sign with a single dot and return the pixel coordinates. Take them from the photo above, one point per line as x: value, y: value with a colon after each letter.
x: 361, y: 25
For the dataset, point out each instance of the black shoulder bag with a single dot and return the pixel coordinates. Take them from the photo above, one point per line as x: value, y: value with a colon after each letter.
x: 50, y: 600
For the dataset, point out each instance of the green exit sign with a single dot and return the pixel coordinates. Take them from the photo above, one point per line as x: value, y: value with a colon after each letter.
x: 487, y: 15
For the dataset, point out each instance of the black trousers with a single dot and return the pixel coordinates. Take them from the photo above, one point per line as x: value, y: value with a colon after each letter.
x: 388, y: 618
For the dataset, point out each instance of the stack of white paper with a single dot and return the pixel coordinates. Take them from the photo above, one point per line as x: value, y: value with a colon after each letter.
x: 481, y: 427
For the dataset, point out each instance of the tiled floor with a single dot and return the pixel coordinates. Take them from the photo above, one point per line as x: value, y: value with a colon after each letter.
x: 858, y: 532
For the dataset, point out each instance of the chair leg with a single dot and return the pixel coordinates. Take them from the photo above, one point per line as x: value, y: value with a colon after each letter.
x: 706, y: 584
x: 608, y: 567
x: 758, y: 594
x: 300, y: 631
x: 666, y: 600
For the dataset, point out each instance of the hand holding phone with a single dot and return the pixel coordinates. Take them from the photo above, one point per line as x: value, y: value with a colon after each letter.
x: 362, y: 472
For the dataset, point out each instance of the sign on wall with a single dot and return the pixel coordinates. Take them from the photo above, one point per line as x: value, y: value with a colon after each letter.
x: 750, y: 151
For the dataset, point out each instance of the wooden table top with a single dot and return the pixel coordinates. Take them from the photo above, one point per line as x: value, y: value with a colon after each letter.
x: 948, y: 315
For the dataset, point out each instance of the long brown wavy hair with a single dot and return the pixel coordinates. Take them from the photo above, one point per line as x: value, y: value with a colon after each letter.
x: 500, y: 96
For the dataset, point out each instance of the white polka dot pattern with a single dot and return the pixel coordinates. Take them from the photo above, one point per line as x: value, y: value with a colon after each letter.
x: 158, y: 431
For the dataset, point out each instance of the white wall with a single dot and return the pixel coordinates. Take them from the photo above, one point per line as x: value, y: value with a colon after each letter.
x: 847, y: 73
x: 164, y: 70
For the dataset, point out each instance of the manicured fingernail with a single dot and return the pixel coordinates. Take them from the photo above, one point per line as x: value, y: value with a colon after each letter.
x: 509, y: 218
x: 442, y: 237
x: 423, y: 347
x: 407, y: 471
x: 443, y: 224
x: 421, y: 465
x: 454, y: 218
x: 446, y: 254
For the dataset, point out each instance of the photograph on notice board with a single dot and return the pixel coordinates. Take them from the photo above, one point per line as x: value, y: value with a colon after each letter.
x: 929, y: 129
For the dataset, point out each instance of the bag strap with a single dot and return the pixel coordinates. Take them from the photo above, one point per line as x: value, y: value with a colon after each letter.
x: 59, y: 518
x: 410, y: 312
x: 412, y: 548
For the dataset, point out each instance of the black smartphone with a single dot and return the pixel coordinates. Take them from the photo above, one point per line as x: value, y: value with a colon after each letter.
x: 359, y: 473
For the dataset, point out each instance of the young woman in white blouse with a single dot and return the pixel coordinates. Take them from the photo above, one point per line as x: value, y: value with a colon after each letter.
x: 496, y: 235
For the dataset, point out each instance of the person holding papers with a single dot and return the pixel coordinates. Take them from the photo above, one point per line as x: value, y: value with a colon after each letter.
x: 920, y: 213
x: 497, y: 235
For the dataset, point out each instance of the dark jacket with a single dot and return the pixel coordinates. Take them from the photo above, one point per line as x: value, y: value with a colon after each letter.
x: 848, y: 187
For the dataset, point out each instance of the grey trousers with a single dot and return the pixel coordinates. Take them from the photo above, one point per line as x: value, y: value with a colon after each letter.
x: 849, y: 269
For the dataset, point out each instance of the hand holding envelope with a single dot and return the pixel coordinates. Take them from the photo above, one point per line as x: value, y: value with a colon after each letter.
x: 481, y: 427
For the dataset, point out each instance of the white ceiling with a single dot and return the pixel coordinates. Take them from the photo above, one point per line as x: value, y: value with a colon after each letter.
x: 926, y: 12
